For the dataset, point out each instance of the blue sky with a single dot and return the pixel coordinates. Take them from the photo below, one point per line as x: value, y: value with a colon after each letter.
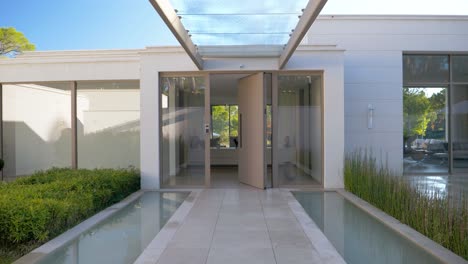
x: 115, y: 24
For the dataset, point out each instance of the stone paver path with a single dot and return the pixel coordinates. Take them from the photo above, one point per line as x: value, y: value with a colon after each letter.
x: 240, y: 226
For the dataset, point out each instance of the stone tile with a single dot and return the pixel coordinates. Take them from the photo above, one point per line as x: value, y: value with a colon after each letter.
x: 183, y: 256
x: 277, y: 212
x: 291, y: 255
x: 194, y: 237
x: 241, y: 222
x: 241, y: 238
x: 149, y: 256
x: 278, y: 223
x: 289, y: 238
x: 241, y: 256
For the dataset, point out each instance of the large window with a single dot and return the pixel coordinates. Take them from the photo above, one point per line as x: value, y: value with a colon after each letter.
x: 225, y: 123
x: 183, y: 133
x: 38, y: 125
x: 108, y: 124
x: 430, y: 144
x: 425, y: 129
x: 299, y: 129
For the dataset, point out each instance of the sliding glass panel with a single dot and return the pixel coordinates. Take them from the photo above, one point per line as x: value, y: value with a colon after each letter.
x: 183, y: 135
x: 268, y: 129
x: 460, y: 127
x: 460, y: 68
x: 36, y: 127
x: 108, y: 124
x: 425, y: 68
x: 425, y: 135
x: 300, y: 129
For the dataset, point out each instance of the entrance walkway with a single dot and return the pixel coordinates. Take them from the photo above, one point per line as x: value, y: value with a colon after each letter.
x: 241, y: 226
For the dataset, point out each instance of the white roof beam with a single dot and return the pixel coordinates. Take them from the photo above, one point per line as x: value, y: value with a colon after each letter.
x: 308, y: 17
x: 172, y: 20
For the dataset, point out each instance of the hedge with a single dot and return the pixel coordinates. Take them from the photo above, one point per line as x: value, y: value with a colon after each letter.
x: 37, y: 208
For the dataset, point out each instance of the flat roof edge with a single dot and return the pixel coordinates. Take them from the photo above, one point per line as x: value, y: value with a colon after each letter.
x: 391, y: 17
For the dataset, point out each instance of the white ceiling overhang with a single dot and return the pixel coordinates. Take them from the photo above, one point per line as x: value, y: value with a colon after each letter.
x: 238, y: 28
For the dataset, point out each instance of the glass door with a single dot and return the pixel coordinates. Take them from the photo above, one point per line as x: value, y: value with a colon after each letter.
x: 185, y: 130
x: 298, y: 130
x: 459, y: 127
x: 459, y: 113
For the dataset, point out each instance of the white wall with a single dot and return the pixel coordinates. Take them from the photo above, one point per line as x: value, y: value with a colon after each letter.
x: 373, y: 70
x: 71, y: 66
x: 36, y: 127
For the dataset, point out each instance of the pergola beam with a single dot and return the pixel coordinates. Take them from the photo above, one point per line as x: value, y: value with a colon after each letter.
x: 172, y: 20
x: 308, y: 17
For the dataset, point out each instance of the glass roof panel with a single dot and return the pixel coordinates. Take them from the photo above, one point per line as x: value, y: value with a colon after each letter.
x: 239, y: 22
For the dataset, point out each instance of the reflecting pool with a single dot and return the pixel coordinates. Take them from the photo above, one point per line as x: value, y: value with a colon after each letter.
x: 122, y: 237
x: 357, y: 236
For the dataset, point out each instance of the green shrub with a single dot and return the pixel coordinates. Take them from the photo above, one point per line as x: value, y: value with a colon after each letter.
x: 440, y: 217
x: 36, y: 208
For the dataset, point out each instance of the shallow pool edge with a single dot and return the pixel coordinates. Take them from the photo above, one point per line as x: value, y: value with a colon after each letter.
x: 74, y: 232
x: 63, y: 239
x: 404, y: 230
x: 326, y: 251
x: 156, y: 247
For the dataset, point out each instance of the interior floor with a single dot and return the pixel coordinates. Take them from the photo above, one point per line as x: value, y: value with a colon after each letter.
x: 289, y: 174
x: 225, y: 177
x: 188, y: 176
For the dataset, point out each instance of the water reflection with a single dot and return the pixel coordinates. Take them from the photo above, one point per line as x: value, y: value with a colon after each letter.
x: 122, y: 237
x: 356, y: 235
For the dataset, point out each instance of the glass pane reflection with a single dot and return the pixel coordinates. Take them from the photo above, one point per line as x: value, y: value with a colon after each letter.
x: 425, y: 134
x: 300, y: 129
x: 183, y: 136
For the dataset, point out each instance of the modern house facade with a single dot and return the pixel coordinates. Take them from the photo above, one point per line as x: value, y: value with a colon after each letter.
x: 351, y: 84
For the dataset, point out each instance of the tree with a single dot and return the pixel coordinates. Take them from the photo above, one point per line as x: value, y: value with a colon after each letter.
x: 220, y: 119
x: 13, y: 42
x: 416, y: 107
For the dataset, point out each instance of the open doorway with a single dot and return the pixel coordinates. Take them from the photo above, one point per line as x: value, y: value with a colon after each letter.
x: 240, y: 130
x: 224, y: 129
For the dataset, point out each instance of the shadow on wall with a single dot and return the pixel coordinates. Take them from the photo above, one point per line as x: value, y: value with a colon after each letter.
x: 26, y: 152
x: 113, y: 147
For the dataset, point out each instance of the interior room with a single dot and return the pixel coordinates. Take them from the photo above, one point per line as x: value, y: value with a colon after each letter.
x: 224, y: 142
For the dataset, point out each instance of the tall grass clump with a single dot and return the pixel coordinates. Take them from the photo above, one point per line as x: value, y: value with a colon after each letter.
x: 439, y: 216
x: 37, y: 208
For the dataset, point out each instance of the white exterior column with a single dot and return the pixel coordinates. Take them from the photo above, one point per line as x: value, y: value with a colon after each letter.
x: 149, y: 126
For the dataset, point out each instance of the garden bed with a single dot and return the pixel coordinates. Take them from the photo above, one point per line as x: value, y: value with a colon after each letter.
x: 37, y: 208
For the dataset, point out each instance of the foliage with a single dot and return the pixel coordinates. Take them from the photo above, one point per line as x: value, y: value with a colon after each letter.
x: 220, y: 119
x: 37, y: 208
x: 415, y: 108
x: 13, y: 42
x: 225, y: 121
x: 422, y: 113
x: 442, y: 218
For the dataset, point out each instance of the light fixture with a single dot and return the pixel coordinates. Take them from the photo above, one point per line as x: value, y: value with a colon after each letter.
x: 370, y: 116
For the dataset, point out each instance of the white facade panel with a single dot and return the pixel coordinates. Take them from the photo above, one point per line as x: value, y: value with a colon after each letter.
x: 373, y: 70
